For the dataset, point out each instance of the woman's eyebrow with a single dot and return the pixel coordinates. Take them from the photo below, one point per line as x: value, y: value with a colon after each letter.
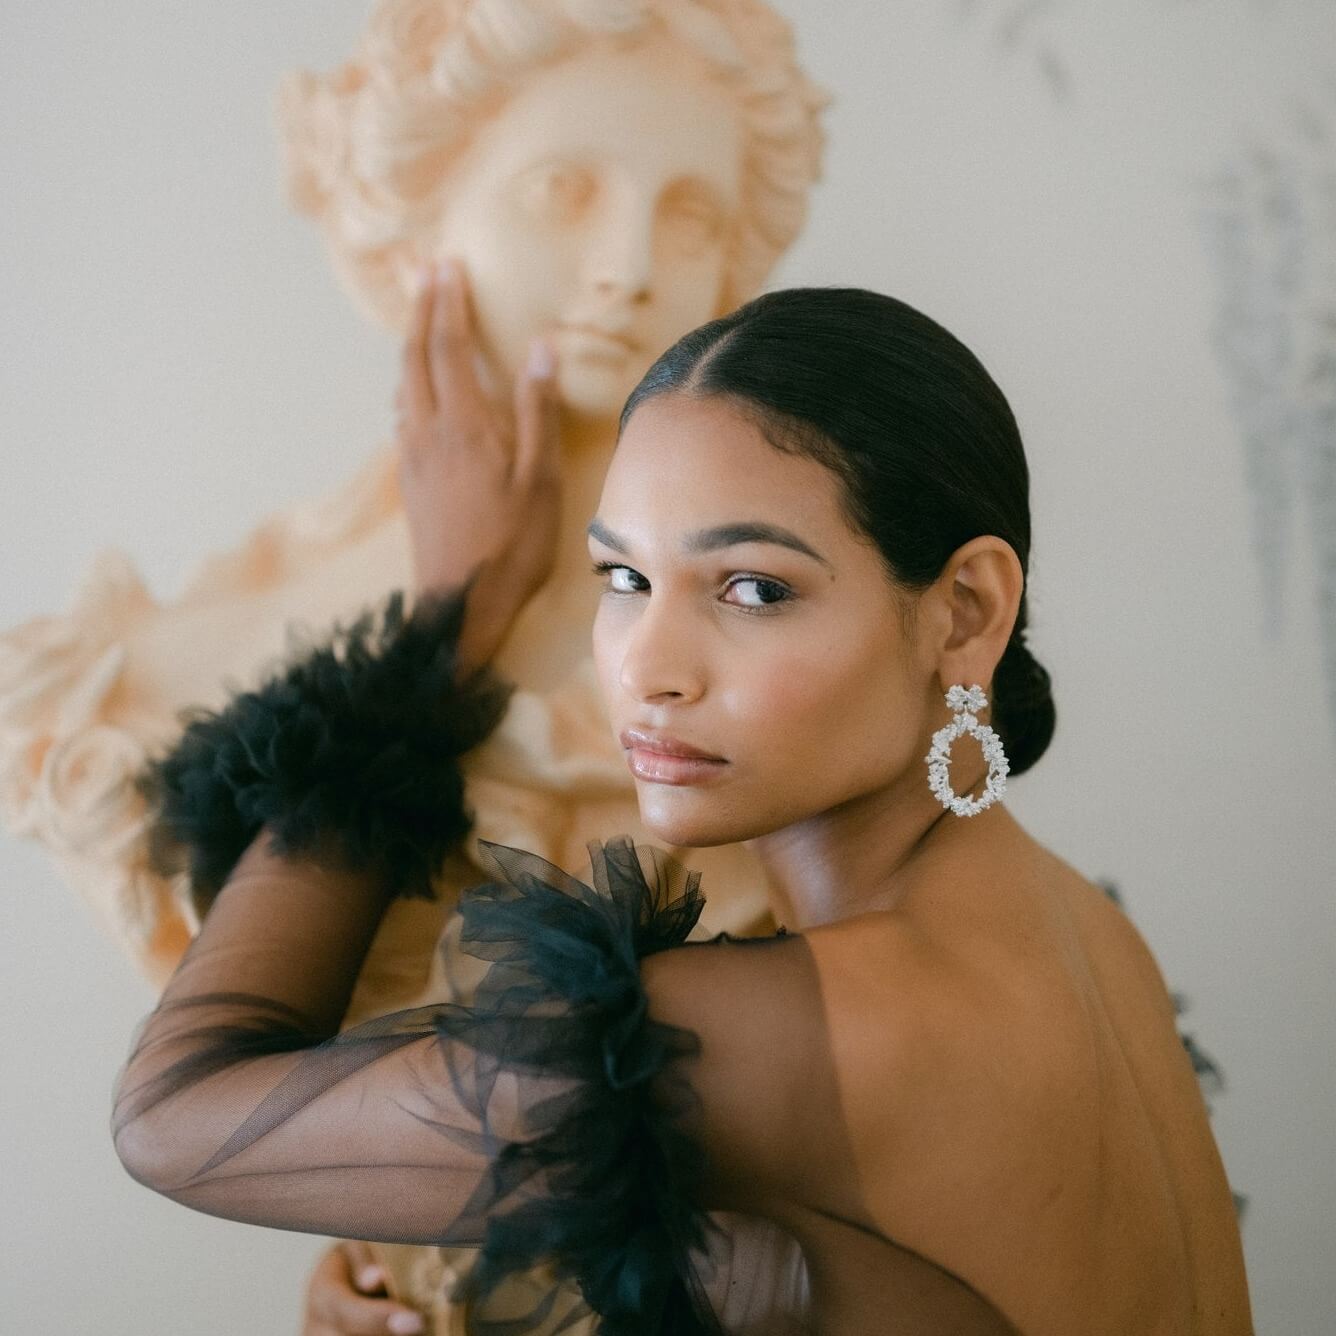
x: 721, y: 536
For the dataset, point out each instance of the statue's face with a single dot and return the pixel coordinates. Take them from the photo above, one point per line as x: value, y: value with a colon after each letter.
x: 599, y: 198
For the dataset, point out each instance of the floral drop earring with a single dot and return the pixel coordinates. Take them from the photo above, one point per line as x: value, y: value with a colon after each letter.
x: 966, y: 703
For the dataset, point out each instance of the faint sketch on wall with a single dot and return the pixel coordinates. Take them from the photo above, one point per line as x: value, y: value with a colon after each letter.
x: 1268, y: 220
x: 1209, y: 1076
x: 1018, y: 30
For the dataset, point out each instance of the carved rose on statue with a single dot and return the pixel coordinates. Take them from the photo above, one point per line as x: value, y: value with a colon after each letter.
x: 56, y: 674
x: 57, y: 686
x: 35, y: 667
x: 85, y: 802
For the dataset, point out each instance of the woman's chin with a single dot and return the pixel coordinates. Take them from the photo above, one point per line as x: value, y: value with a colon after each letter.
x: 670, y: 823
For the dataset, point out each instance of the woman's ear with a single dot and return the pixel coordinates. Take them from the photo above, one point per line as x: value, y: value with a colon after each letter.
x: 982, y: 585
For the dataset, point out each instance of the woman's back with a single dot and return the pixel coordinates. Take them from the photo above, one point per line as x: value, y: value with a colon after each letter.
x: 958, y: 1085
x: 970, y: 1109
x: 1034, y: 1142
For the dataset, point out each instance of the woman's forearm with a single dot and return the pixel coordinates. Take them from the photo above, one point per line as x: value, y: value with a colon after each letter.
x: 298, y: 812
x: 269, y: 975
x: 293, y: 928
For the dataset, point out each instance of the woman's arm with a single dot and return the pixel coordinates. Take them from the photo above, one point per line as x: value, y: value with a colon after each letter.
x: 481, y: 485
x: 300, y: 810
x: 567, y: 1115
x: 234, y: 1101
x: 349, y: 755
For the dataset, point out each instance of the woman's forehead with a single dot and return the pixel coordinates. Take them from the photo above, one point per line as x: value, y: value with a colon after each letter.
x: 685, y: 462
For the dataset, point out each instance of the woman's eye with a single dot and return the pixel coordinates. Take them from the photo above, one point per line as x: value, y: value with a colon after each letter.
x: 759, y: 593
x: 749, y: 591
x: 620, y: 579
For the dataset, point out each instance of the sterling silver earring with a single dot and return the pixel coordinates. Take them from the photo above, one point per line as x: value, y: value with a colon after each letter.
x: 965, y: 703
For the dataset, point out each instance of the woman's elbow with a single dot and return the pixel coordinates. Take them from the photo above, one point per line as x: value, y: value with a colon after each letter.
x: 141, y: 1155
x: 147, y: 1152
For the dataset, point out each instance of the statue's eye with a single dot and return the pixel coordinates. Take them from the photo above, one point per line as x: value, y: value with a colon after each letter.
x: 560, y: 191
x: 693, y: 215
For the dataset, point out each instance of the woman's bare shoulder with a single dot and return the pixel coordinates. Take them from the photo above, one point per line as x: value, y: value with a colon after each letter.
x: 967, y: 1027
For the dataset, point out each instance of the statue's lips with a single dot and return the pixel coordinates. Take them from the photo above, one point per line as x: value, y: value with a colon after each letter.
x: 597, y: 339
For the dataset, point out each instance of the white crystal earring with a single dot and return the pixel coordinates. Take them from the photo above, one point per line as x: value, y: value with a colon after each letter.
x: 965, y: 703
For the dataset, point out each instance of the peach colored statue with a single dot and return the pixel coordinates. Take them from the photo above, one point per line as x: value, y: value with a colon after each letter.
x: 611, y: 173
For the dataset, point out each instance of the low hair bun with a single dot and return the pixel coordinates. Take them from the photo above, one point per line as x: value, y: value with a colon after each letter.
x: 1023, y: 712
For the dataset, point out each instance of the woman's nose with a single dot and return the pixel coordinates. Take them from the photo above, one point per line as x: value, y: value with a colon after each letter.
x: 659, y: 658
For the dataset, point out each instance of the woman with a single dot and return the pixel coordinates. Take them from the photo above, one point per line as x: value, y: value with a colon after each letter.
x: 954, y: 1081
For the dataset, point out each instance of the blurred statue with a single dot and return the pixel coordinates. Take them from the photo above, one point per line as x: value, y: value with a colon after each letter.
x: 611, y: 173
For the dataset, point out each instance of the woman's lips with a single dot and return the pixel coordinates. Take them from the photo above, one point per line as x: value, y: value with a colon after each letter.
x: 664, y: 760
x: 660, y: 769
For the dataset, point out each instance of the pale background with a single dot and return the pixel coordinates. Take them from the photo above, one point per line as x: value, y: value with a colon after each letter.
x: 176, y: 361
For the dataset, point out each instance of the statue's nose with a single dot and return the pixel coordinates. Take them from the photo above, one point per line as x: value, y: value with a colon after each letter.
x: 621, y: 251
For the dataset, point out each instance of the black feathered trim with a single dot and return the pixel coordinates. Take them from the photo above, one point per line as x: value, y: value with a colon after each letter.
x: 350, y: 752
x: 602, y: 1185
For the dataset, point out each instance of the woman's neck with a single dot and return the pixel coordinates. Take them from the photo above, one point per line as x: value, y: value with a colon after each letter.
x: 868, y: 854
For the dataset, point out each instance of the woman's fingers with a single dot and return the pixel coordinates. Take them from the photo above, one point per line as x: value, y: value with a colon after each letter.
x: 367, y: 1273
x: 335, y: 1308
x: 416, y: 402
x: 453, y: 344
x: 480, y: 479
x: 537, y: 417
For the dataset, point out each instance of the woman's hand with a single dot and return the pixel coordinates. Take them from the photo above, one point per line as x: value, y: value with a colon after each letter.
x: 335, y: 1302
x: 480, y: 483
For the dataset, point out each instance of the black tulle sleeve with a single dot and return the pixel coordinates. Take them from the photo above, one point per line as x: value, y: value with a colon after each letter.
x: 553, y: 1120
x: 563, y: 1006
x: 549, y: 1121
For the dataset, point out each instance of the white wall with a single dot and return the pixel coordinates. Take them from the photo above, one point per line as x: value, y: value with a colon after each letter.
x: 176, y: 361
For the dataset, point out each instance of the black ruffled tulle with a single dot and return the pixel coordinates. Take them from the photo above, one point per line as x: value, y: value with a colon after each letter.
x: 350, y: 754
x: 351, y: 751
x: 546, y: 1123
x: 564, y: 1001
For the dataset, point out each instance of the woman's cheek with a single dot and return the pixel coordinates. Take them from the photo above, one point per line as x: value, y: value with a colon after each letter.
x: 614, y: 624
x: 604, y: 652
x: 774, y: 703
x: 824, y: 717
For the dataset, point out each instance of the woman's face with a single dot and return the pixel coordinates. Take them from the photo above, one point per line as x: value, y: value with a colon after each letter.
x: 744, y: 618
x: 596, y: 207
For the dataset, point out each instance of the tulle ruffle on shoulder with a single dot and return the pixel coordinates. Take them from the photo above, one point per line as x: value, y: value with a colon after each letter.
x: 545, y: 1123
x: 599, y: 1182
